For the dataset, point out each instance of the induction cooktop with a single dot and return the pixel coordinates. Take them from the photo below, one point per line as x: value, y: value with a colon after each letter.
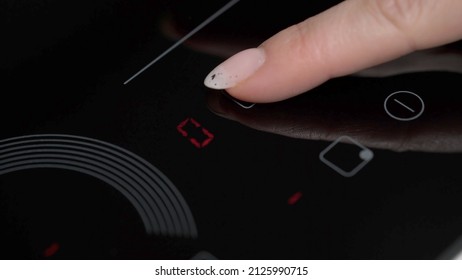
x: 112, y: 148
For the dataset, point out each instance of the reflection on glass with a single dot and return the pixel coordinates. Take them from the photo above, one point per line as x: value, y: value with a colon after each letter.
x: 354, y: 107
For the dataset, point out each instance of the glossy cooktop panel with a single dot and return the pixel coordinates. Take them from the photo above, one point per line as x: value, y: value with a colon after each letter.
x: 97, y: 163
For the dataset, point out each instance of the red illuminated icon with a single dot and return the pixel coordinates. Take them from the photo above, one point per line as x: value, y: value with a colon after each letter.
x: 197, y: 135
x: 294, y: 198
x: 51, y: 250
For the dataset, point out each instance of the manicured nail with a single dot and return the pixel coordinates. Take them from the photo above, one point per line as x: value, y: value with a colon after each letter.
x: 235, y: 69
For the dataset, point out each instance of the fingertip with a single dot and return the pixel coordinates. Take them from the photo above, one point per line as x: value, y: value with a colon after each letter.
x: 235, y: 69
x: 278, y: 69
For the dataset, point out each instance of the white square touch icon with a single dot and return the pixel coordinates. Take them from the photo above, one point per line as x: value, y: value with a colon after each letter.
x: 346, y: 156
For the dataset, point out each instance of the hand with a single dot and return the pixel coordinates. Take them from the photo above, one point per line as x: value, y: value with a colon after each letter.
x: 347, y: 38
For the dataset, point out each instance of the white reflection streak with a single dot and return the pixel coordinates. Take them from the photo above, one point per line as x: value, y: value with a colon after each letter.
x: 186, y: 37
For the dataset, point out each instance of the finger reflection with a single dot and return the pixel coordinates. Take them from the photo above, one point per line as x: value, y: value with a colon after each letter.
x: 355, y: 107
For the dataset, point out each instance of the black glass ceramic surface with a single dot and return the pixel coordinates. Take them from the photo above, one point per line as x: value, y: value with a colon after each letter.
x: 163, y: 168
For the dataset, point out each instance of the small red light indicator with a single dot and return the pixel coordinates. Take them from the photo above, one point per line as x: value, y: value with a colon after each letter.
x: 294, y: 198
x: 51, y: 250
x: 197, y: 135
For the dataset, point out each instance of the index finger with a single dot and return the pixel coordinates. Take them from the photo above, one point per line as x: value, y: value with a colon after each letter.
x: 349, y: 37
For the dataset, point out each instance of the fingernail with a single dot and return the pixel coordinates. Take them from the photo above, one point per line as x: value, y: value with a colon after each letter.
x: 235, y: 69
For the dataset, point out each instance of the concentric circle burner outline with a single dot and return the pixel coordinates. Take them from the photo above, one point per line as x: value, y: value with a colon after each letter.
x: 159, y: 203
